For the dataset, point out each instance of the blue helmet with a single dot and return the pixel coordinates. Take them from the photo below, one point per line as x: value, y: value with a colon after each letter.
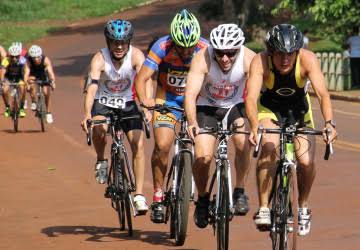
x: 118, y: 30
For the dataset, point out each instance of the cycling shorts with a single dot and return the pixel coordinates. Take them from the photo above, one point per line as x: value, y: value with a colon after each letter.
x: 167, y: 120
x: 277, y: 115
x: 209, y: 116
x: 21, y: 82
x: 129, y: 110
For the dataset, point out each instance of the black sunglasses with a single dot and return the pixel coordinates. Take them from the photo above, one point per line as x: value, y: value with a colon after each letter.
x: 228, y: 53
x: 17, y: 57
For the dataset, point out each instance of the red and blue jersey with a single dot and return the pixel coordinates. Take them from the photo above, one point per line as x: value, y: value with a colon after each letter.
x: 172, y: 70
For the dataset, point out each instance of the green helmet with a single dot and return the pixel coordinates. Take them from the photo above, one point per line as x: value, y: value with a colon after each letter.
x: 185, y: 29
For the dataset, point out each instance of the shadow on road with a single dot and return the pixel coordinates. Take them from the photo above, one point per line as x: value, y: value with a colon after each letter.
x: 32, y: 131
x: 101, y: 234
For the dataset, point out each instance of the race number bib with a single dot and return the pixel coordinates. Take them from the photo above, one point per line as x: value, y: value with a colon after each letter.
x: 112, y: 101
x: 176, y: 80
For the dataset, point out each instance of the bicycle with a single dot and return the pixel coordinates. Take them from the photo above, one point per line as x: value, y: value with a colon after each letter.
x: 283, y: 197
x: 221, y: 209
x: 40, y: 111
x: 179, y: 184
x: 14, y: 93
x: 121, y: 181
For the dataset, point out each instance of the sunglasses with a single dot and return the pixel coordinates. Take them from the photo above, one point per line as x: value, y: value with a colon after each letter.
x: 15, y: 57
x: 228, y: 53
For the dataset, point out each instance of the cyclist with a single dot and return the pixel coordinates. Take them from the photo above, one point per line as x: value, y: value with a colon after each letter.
x: 12, y: 70
x: 39, y: 67
x: 112, y: 73
x: 216, y: 82
x: 170, y: 56
x: 282, y: 71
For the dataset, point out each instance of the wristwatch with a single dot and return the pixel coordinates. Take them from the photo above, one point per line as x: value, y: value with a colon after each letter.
x: 331, y: 122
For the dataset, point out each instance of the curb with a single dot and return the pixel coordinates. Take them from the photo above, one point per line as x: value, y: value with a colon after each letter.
x: 334, y: 96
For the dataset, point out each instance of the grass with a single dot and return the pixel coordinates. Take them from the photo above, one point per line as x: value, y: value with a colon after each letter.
x: 19, y: 19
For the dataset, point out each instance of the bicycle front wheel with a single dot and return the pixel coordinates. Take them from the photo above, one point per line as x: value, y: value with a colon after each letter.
x: 125, y: 196
x: 223, y: 214
x: 41, y: 111
x: 15, y: 113
x: 284, y: 231
x: 183, y: 197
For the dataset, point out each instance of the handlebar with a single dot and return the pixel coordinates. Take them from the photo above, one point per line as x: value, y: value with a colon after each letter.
x: 329, y: 147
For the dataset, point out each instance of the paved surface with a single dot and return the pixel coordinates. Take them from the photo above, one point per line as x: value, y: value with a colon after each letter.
x: 49, y: 198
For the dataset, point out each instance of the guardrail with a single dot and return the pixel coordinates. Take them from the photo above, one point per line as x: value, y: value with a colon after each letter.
x: 336, y: 69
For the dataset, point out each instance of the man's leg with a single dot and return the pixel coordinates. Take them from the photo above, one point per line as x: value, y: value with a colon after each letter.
x: 136, y: 141
x: 242, y: 166
x: 99, y: 139
x: 22, y: 92
x: 164, y: 138
x: 6, y: 98
x: 306, y: 174
x: 204, y: 151
x: 265, y: 173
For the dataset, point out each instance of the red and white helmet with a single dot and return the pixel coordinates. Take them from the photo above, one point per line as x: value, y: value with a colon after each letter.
x: 35, y: 51
x: 227, y: 36
x: 15, y: 49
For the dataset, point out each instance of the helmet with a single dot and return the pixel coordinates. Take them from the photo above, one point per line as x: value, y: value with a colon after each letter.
x: 35, y: 51
x: 227, y: 36
x: 185, y: 29
x: 15, y: 49
x: 285, y: 38
x: 118, y: 30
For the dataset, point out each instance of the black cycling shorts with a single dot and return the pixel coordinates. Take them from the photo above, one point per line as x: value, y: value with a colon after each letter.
x: 209, y: 116
x: 129, y: 110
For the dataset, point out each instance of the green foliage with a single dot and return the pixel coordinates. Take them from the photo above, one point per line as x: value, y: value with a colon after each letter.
x: 15, y: 12
x: 20, y: 10
x: 325, y: 46
x: 255, y: 46
x: 335, y: 17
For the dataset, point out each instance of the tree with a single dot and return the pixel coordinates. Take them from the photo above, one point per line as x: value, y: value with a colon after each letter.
x: 337, y: 17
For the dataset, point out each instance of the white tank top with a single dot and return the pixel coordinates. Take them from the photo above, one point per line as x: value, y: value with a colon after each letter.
x: 223, y: 89
x: 116, y: 87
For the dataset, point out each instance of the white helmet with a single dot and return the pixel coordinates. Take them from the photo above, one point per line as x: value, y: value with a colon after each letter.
x: 227, y: 36
x: 15, y: 49
x: 35, y: 51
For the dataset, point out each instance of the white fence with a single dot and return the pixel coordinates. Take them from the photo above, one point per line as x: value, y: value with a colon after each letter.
x: 336, y: 69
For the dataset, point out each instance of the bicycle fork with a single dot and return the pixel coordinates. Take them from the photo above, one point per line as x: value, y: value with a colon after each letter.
x: 218, y: 177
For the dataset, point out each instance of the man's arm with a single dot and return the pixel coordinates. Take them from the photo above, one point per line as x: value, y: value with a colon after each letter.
x: 49, y: 68
x: 194, y: 82
x: 313, y: 70
x: 97, y: 65
x: 26, y: 72
x: 142, y: 85
x: 139, y: 59
x: 253, y: 88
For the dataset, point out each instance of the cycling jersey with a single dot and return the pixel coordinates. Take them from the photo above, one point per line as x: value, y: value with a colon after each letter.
x: 116, y: 86
x: 172, y: 72
x: 38, y: 71
x: 223, y: 89
x: 285, y: 92
x: 14, y: 71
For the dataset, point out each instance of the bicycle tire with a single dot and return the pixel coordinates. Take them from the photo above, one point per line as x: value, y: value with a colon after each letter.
x: 223, y: 214
x: 15, y: 113
x: 183, y: 197
x: 119, y: 205
x: 41, y: 111
x: 170, y: 205
x: 126, y: 197
x: 285, y: 236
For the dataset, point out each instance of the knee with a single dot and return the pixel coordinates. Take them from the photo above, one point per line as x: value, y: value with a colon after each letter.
x: 306, y: 164
x: 203, y: 160
x: 137, y: 147
x: 99, y: 133
x: 161, y: 148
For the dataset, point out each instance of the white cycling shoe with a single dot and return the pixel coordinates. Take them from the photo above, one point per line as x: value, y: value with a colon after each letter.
x: 304, y: 221
x: 140, y: 204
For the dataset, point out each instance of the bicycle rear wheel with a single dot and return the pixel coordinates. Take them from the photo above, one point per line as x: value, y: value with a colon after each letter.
x: 41, y: 111
x: 183, y: 197
x: 223, y: 214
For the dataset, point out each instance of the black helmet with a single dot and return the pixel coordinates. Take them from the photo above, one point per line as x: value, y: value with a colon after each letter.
x: 285, y: 38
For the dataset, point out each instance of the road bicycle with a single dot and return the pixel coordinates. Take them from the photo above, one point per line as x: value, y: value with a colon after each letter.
x: 179, y: 183
x: 40, y: 111
x: 221, y: 209
x: 121, y: 180
x: 284, y: 197
x: 15, y: 109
